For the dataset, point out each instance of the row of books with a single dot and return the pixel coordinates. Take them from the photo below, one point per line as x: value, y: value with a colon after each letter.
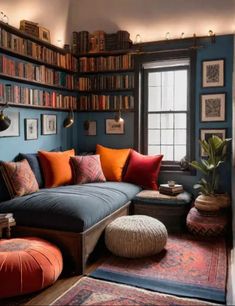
x: 106, y: 82
x: 19, y: 95
x: 37, y: 51
x: 171, y: 190
x: 101, y: 63
x: 84, y: 42
x: 105, y: 102
x: 38, y: 73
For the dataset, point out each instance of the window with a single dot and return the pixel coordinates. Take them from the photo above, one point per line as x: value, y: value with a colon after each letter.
x: 167, y: 112
x: 165, y: 115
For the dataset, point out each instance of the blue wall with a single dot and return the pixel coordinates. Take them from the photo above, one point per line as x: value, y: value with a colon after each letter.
x: 222, y: 48
x: 11, y: 146
x: 76, y: 137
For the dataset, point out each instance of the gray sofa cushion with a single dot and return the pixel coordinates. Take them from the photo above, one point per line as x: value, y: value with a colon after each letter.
x: 70, y: 208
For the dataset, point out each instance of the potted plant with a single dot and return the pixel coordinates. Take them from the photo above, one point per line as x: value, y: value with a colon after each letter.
x: 216, y: 150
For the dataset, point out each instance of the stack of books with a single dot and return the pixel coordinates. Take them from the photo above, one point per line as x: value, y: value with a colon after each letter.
x: 170, y: 190
x: 6, y: 219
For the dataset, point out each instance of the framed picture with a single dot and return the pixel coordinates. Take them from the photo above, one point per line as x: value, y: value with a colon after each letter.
x: 44, y: 34
x: 213, y: 73
x: 90, y: 127
x: 14, y: 128
x: 114, y: 127
x: 31, y: 129
x: 49, y: 124
x: 207, y: 133
x: 213, y: 107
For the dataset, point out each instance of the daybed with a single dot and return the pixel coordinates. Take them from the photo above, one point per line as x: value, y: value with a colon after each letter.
x: 72, y: 216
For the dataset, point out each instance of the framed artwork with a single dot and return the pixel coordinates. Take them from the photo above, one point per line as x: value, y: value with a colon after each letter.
x: 213, y: 73
x: 44, y: 34
x: 31, y: 129
x: 90, y: 127
x: 213, y: 107
x: 114, y: 127
x: 49, y: 124
x: 207, y: 133
x: 14, y: 128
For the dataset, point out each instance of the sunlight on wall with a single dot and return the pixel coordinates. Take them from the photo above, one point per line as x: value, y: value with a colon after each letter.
x: 51, y: 14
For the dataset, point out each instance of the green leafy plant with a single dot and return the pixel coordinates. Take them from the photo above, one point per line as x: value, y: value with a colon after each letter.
x: 216, y: 150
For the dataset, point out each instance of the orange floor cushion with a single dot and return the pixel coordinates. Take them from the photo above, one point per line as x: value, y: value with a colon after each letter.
x: 27, y: 265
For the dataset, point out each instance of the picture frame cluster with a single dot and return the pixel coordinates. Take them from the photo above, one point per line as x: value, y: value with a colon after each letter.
x: 213, y: 104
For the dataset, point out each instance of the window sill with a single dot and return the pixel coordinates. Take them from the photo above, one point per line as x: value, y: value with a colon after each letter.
x: 180, y: 172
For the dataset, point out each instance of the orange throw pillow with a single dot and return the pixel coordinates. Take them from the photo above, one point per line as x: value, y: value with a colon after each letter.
x: 112, y: 162
x: 56, y: 167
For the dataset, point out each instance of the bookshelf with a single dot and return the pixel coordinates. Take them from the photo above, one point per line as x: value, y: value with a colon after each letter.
x: 38, y: 74
x: 106, y: 81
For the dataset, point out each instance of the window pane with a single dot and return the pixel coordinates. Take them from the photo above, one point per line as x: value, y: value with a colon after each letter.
x: 167, y: 121
x: 167, y: 78
x: 167, y: 137
x: 154, y: 121
x: 154, y: 137
x: 180, y: 90
x: 180, y: 137
x: 167, y: 98
x: 167, y: 151
x: 155, y: 79
x: 154, y: 101
x: 180, y: 121
x: 153, y: 150
x: 180, y: 152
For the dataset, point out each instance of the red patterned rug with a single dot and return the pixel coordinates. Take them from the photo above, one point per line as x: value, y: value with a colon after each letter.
x: 186, y: 267
x: 88, y: 291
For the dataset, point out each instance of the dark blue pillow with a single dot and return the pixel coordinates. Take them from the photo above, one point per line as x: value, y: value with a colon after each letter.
x: 4, y: 194
x: 34, y: 163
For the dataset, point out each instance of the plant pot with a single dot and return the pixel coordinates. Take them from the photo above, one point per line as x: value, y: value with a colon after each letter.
x: 207, y: 204
x: 224, y: 200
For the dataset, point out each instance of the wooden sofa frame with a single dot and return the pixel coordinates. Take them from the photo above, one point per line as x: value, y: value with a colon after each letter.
x: 75, y: 246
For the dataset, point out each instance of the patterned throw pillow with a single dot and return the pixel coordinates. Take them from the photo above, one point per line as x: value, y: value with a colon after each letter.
x: 19, y: 178
x: 87, y: 169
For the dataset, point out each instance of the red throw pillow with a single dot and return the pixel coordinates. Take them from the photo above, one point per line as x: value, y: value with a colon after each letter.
x: 87, y: 169
x: 143, y: 170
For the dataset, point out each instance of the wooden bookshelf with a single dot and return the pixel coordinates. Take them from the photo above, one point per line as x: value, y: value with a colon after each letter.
x: 35, y: 106
x: 110, y: 75
x: 27, y: 60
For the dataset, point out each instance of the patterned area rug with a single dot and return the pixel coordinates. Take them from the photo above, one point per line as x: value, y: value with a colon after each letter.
x: 186, y: 267
x: 88, y: 291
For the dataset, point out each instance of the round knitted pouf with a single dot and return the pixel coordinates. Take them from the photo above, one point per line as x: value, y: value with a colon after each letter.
x: 27, y: 265
x: 205, y: 225
x: 135, y: 236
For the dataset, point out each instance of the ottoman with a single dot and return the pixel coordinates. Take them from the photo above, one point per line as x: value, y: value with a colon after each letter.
x: 170, y: 210
x: 206, y: 225
x: 27, y: 265
x: 135, y: 236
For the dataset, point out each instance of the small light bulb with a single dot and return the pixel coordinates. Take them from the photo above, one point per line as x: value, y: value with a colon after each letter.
x: 138, y: 39
x: 167, y: 35
x: 210, y: 33
x: 59, y: 42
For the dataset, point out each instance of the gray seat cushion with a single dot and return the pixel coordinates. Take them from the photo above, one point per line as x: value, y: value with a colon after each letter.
x: 70, y: 208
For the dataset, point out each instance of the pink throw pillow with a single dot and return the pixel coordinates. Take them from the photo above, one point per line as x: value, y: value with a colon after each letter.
x: 87, y: 169
x: 19, y: 178
x: 143, y: 170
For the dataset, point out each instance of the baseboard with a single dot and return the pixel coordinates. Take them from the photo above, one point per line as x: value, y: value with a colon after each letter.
x: 231, y: 278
